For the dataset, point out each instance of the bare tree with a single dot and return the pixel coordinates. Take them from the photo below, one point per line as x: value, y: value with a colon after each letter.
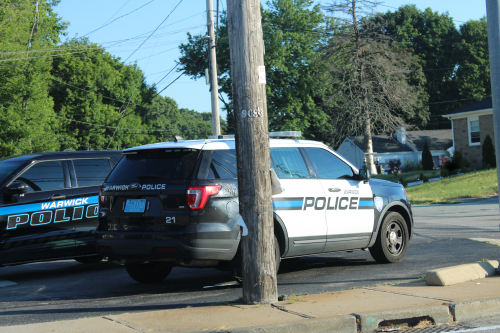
x: 370, y: 84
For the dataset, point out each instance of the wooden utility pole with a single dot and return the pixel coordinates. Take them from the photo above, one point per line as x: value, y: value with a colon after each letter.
x: 246, y: 46
x: 213, y: 69
x: 493, y: 19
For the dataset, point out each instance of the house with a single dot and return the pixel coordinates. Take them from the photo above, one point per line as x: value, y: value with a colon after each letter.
x: 407, y: 146
x: 470, y: 126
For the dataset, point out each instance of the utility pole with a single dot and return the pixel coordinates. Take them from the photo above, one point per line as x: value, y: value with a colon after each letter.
x: 213, y: 69
x: 493, y: 18
x: 246, y: 47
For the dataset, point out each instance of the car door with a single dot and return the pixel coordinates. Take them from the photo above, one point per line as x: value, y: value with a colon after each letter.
x: 298, y: 206
x: 349, y: 208
x: 38, y: 226
x: 87, y: 176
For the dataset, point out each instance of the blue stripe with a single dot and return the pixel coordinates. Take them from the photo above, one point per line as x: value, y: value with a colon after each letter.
x: 280, y: 204
x: 38, y: 206
x: 366, y: 203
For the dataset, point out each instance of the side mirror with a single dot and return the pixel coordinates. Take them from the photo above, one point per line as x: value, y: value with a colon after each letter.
x: 17, y: 188
x: 364, y: 175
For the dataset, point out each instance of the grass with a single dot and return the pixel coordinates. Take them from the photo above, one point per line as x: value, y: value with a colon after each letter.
x: 409, y: 176
x: 472, y: 185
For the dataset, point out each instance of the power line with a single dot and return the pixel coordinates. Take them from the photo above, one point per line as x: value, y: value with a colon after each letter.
x: 155, y: 29
x: 119, y: 17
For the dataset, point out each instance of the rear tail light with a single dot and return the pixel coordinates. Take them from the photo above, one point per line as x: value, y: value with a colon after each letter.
x: 103, y: 201
x: 197, y: 196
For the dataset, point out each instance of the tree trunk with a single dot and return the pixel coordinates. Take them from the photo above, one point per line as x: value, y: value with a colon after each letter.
x: 367, y: 136
x: 252, y: 151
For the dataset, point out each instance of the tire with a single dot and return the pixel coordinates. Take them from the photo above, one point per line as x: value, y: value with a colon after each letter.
x: 89, y: 259
x: 392, y: 240
x: 152, y: 272
x: 237, y: 271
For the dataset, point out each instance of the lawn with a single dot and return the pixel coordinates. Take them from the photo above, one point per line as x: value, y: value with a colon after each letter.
x: 409, y: 176
x: 471, y: 185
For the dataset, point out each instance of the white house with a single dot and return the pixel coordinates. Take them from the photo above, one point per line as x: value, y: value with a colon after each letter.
x: 404, y: 145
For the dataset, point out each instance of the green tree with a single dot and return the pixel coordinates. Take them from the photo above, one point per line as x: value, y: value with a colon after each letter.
x: 489, y: 157
x: 293, y: 31
x: 427, y: 161
x: 367, y: 79
x: 94, y: 93
x: 431, y: 36
x: 472, y: 76
x: 28, y: 33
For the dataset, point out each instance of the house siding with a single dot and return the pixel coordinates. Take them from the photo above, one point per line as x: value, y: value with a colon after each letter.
x: 461, y: 132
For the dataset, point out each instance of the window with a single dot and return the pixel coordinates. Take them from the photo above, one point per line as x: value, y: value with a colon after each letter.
x: 91, y: 171
x: 327, y: 165
x: 44, y: 176
x: 474, y: 138
x: 289, y: 163
x: 155, y: 165
x: 223, y: 165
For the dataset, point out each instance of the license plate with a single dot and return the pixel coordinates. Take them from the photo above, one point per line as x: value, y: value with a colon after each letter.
x: 135, y: 206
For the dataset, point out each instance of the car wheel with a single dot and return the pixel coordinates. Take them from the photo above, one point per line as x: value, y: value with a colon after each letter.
x: 89, y: 259
x: 392, y: 240
x: 152, y: 272
x: 237, y: 271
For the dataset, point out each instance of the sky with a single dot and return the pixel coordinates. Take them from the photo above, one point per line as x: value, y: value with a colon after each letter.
x: 123, y: 28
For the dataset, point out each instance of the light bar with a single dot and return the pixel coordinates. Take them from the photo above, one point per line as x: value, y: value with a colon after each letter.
x: 225, y: 136
x: 285, y: 134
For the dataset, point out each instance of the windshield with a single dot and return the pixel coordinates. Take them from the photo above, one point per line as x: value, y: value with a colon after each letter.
x: 7, y: 168
x: 177, y: 164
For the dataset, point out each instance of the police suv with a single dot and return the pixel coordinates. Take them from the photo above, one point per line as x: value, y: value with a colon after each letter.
x: 48, y: 207
x: 176, y: 203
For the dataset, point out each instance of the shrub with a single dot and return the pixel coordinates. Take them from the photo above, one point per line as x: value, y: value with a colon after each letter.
x: 403, y: 181
x: 420, y: 166
x: 394, y: 166
x: 425, y: 179
x: 489, y: 157
x: 454, y: 164
x: 427, y: 161
x: 444, y: 173
x: 421, y: 177
x: 409, y: 165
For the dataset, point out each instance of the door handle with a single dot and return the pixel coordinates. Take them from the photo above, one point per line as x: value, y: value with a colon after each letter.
x: 57, y: 197
x: 334, y: 189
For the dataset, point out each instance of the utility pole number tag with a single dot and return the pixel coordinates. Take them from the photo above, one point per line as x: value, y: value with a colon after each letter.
x: 251, y: 113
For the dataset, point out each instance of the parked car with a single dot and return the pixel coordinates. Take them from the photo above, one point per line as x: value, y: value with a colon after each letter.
x: 176, y: 203
x: 49, y: 205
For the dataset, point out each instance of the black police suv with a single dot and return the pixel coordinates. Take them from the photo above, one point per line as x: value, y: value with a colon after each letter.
x: 49, y: 205
x: 176, y: 203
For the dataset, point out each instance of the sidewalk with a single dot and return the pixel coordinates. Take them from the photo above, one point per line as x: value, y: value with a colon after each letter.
x: 361, y: 309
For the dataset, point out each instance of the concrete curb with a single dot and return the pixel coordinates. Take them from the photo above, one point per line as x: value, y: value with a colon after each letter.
x: 370, y: 322
x: 345, y: 324
x: 461, y: 273
x: 477, y: 309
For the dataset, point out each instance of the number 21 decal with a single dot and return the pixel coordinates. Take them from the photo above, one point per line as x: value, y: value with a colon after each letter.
x: 169, y: 219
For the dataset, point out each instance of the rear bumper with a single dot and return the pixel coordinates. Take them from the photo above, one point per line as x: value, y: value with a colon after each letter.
x: 221, y: 245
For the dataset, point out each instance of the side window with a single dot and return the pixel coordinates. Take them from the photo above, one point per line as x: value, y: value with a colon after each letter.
x: 289, y: 163
x: 44, y: 176
x: 91, y: 171
x: 327, y: 165
x: 223, y: 165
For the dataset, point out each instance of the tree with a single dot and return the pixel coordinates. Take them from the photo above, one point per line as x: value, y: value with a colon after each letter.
x: 430, y: 36
x: 367, y: 78
x: 489, y: 157
x: 472, y: 76
x: 293, y: 32
x: 427, y: 161
x: 28, y: 32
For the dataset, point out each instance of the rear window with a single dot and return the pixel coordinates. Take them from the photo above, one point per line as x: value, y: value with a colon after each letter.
x: 176, y: 164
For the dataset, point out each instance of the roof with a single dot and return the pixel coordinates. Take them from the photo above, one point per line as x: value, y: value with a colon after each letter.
x: 436, y: 139
x: 64, y: 155
x: 382, y: 144
x: 485, y: 104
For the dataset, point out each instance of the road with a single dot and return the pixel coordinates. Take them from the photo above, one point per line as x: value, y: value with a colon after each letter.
x: 68, y: 290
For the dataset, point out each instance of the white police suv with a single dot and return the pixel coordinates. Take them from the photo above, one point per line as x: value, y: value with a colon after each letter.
x: 176, y: 203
